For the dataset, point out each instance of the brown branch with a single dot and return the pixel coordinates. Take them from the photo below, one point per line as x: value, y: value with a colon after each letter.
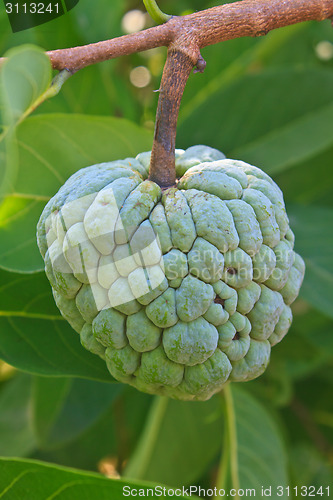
x: 178, y: 67
x: 244, y: 18
x: 79, y: 57
x: 225, y: 22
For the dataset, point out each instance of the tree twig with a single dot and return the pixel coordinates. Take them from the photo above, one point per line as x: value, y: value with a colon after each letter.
x: 225, y: 22
x: 177, y: 69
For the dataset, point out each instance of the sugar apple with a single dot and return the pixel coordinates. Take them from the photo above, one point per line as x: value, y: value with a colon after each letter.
x: 180, y: 290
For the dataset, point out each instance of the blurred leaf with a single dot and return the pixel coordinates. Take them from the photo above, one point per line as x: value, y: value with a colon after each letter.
x: 286, y: 131
x: 238, y: 57
x: 112, y: 437
x: 28, y: 296
x: 48, y: 347
x: 6, y: 371
x: 302, y: 49
x: 310, y: 181
x: 16, y: 434
x: 314, y: 242
x: 298, y: 358
x: 301, y: 139
x: 18, y: 220
x: 20, y: 477
x: 94, y: 90
x: 102, y: 90
x: 97, y: 443
x: 33, y: 335
x: 99, y: 24
x: 303, y: 352
x: 45, y: 410
x: 313, y: 408
x: 23, y: 78
x: 25, y: 83
x: 286, y: 95
x: 178, y: 443
x: 313, y: 321
x: 289, y: 46
x: 256, y: 452
x: 309, y: 468
x: 74, y: 407
x: 275, y: 387
x: 51, y: 148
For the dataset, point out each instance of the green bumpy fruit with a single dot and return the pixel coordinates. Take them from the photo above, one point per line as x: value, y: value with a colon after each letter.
x: 178, y: 291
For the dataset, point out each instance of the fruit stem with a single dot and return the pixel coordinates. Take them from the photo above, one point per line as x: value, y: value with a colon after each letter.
x: 180, y: 61
x: 155, y: 12
x: 142, y: 456
x: 233, y: 439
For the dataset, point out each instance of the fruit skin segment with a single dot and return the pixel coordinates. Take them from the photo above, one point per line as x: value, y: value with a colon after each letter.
x: 179, y: 292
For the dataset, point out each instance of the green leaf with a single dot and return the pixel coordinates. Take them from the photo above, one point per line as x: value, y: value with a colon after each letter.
x: 255, y: 450
x: 286, y: 131
x: 53, y: 147
x: 312, y: 226
x: 309, y: 181
x: 113, y: 436
x: 281, y: 48
x: 178, y: 443
x: 239, y: 57
x: 88, y: 449
x: 33, y: 335
x: 294, y: 143
x: 50, y: 149
x: 25, y: 83
x: 16, y: 435
x: 306, y: 322
x: 235, y: 116
x: 309, y: 468
x: 24, y: 77
x: 306, y: 349
x: 49, y: 348
x: 18, y: 219
x: 75, y: 406
x: 93, y: 92
x: 21, y: 477
x: 28, y: 296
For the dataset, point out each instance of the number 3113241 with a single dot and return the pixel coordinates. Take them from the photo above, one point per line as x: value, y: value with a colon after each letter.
x: 32, y: 8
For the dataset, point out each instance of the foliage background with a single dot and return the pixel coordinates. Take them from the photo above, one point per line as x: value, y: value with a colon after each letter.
x: 268, y: 101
